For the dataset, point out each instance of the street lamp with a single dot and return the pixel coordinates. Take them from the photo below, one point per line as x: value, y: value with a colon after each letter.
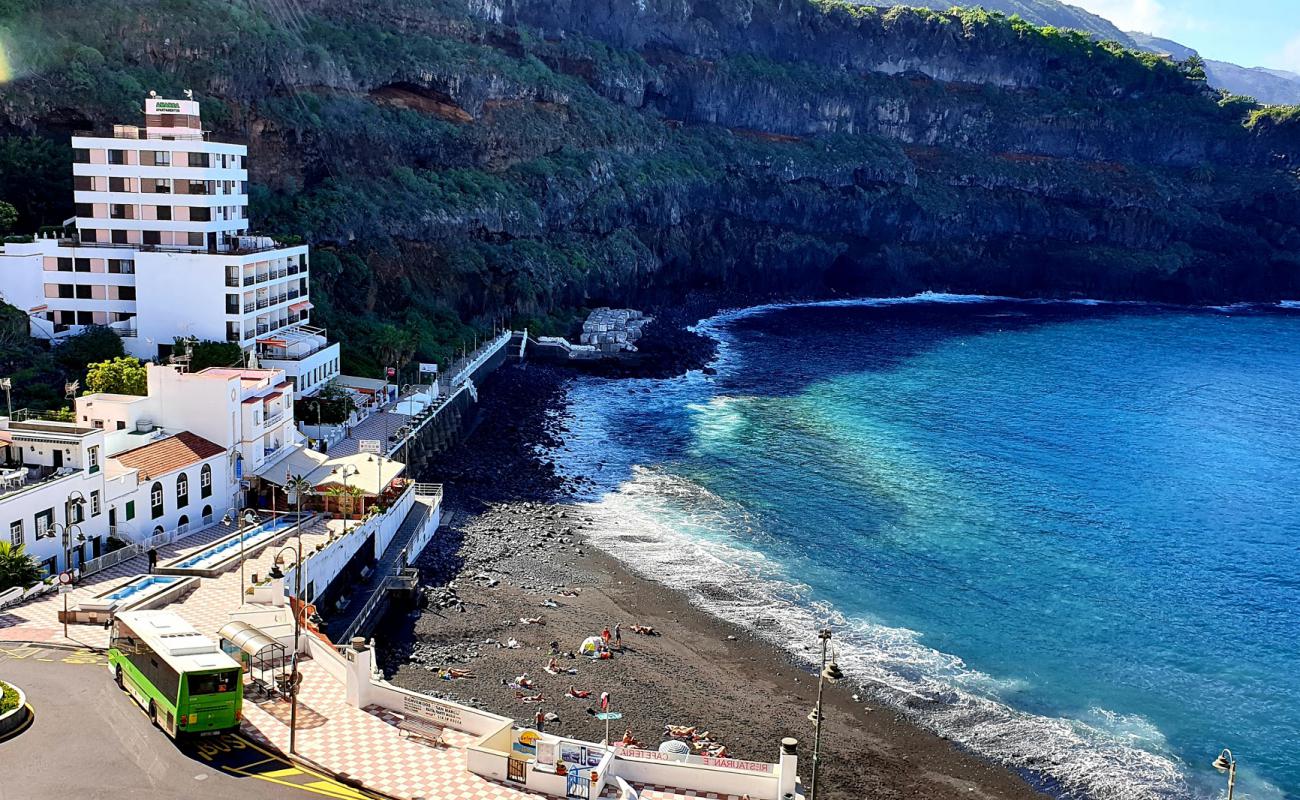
x: 299, y: 566
x: 65, y: 531
x: 1226, y: 763
x: 250, y: 518
x: 829, y: 672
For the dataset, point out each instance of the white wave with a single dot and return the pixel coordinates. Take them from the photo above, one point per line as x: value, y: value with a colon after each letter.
x: 674, y: 531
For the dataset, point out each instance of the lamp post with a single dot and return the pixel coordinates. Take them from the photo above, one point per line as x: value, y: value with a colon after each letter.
x: 248, y: 517
x: 1226, y: 763
x: 829, y: 672
x: 65, y: 531
x: 299, y: 486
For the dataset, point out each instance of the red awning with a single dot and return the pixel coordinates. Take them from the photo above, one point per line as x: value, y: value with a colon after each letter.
x: 272, y: 342
x: 303, y: 306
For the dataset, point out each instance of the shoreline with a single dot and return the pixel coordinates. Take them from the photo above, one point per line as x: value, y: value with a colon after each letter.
x: 514, y: 538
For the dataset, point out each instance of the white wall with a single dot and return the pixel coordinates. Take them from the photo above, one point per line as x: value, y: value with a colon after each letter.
x: 178, y: 294
x: 145, y: 524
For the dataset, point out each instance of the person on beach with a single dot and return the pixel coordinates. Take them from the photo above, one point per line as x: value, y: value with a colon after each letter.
x: 555, y: 648
x: 580, y: 694
x: 628, y: 739
x: 539, y: 720
x: 618, y: 636
x: 604, y: 635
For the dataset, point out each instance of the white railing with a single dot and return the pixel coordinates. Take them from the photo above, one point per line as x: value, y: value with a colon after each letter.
x: 486, y: 352
x: 428, y: 490
x: 140, y: 548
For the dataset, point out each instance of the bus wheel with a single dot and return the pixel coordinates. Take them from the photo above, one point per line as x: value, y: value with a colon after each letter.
x: 153, y: 714
x: 117, y: 678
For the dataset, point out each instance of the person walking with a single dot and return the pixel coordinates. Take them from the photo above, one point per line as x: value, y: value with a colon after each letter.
x: 618, y: 636
x: 540, y: 721
x: 604, y: 635
x: 153, y: 559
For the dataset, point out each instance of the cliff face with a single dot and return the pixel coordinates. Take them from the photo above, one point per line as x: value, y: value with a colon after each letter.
x: 475, y: 159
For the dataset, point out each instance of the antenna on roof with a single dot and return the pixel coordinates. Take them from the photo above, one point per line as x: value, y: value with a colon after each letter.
x: 189, y: 94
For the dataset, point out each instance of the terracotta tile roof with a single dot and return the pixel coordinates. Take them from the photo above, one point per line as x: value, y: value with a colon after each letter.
x: 170, y: 454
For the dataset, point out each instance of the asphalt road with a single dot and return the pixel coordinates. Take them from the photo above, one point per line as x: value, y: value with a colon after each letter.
x: 90, y: 740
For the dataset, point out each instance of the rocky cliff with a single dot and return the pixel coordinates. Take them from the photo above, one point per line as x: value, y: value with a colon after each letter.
x: 463, y: 161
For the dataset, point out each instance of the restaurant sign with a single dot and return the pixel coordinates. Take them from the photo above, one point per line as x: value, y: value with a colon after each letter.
x: 431, y: 710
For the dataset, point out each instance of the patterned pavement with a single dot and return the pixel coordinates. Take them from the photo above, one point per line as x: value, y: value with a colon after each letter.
x: 206, y: 608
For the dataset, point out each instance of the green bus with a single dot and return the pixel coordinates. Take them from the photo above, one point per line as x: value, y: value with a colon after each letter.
x: 181, y: 678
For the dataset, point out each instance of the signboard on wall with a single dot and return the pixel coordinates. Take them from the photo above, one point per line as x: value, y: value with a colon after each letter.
x: 429, y: 709
x: 369, y: 446
x: 426, y: 369
x: 167, y: 107
x: 707, y: 761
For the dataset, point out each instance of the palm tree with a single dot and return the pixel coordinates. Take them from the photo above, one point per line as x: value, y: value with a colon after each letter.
x: 17, y: 568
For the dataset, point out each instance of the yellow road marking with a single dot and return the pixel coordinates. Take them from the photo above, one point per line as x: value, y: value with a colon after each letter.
x: 281, y: 773
x: 322, y: 785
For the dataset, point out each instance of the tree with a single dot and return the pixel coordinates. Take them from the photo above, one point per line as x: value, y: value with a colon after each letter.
x: 208, y: 353
x: 16, y: 567
x: 118, y: 376
x: 92, y: 345
x: 8, y: 217
x: 1194, y: 67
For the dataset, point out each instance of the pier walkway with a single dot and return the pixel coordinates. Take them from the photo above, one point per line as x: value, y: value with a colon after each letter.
x: 389, y: 573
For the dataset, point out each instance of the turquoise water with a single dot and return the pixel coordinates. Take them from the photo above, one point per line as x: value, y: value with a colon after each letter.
x: 214, y: 554
x: 140, y: 585
x: 1066, y: 535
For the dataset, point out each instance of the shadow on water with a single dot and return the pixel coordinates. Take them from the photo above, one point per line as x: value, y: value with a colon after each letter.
x: 784, y: 349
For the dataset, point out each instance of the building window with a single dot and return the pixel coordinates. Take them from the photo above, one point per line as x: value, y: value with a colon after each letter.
x: 182, y: 490
x: 156, y: 500
x: 83, y: 183
x: 83, y: 292
x: 84, y: 209
x: 95, y: 508
x: 67, y: 291
x: 85, y: 318
x: 65, y: 265
x: 152, y: 237
x: 162, y: 158
x: 80, y: 155
x: 196, y: 239
x: 92, y: 458
x: 76, y: 513
x: 45, y: 523
x: 121, y: 266
x: 117, y: 156
x: 198, y: 159
x: 119, y: 184
x: 199, y: 214
x: 205, y: 481
x: 89, y: 235
x: 119, y: 237
x: 130, y: 509
x: 16, y: 533
x: 81, y: 264
x: 164, y: 212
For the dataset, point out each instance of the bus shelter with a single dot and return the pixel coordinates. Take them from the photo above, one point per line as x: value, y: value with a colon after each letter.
x: 262, y: 657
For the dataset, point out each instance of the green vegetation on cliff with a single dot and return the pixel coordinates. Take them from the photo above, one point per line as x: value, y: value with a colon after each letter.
x: 459, y: 165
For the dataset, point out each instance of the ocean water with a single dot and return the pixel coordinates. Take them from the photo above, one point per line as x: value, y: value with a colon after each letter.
x: 1065, y: 534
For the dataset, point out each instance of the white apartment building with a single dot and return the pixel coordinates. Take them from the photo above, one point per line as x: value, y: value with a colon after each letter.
x: 162, y: 251
x: 136, y: 467
x: 248, y: 413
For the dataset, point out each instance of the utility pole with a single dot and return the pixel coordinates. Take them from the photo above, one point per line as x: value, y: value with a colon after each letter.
x: 828, y: 672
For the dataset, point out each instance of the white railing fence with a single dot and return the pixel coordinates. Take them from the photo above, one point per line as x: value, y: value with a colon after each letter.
x: 140, y: 548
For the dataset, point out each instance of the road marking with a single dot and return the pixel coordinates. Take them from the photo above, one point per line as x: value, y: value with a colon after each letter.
x: 271, y: 768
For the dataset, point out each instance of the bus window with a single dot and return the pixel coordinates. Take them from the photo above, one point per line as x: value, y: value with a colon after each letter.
x: 212, y: 683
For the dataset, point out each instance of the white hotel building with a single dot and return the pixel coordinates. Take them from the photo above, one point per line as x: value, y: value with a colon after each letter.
x: 161, y: 251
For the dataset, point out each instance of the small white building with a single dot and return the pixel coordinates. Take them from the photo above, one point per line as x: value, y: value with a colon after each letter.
x: 162, y: 251
x: 52, y: 491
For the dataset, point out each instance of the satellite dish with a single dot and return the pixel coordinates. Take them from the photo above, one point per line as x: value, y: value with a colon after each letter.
x: 152, y: 93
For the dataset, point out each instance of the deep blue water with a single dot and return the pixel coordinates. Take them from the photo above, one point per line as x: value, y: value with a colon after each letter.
x: 1066, y: 535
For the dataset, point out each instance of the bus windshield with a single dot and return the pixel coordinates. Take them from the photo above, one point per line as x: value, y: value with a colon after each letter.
x: 212, y: 682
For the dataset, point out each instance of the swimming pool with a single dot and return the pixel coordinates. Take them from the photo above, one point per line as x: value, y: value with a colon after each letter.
x: 141, y: 592
x: 224, y: 552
